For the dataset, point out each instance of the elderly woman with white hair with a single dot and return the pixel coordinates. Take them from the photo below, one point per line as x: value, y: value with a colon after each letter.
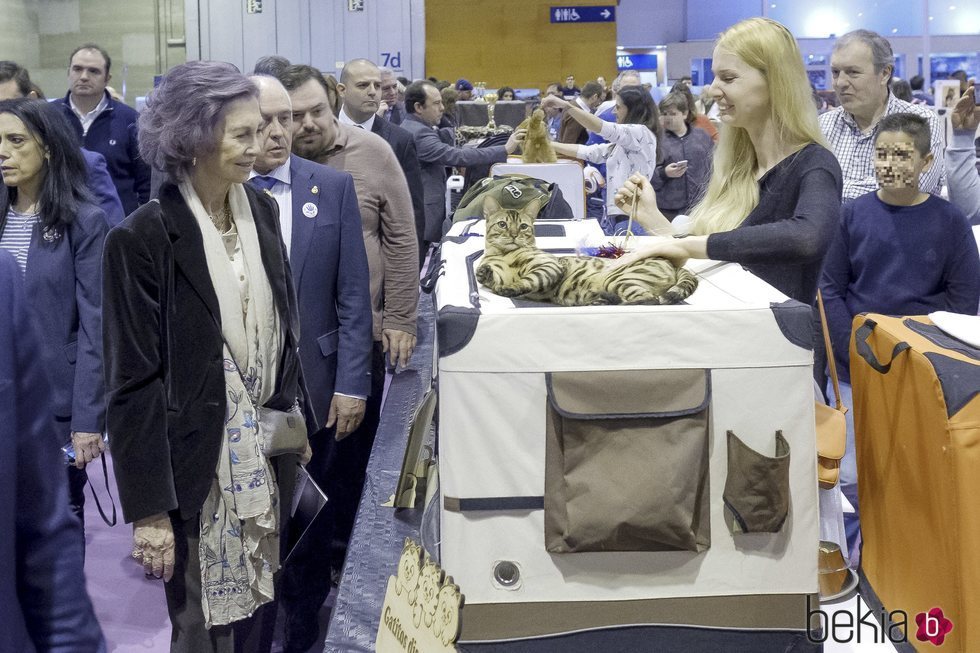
x: 200, y: 330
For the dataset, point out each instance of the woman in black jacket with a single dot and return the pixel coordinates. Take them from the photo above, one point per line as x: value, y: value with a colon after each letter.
x: 200, y: 330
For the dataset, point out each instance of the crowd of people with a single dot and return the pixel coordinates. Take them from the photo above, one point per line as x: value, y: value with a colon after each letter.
x: 276, y: 266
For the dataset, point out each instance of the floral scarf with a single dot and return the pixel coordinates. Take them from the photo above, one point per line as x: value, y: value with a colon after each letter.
x: 239, y: 545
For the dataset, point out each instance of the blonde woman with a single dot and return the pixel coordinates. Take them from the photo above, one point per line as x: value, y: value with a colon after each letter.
x: 773, y: 200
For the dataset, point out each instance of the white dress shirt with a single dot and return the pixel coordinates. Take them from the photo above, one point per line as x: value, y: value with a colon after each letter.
x: 88, y: 118
x: 347, y: 120
x: 282, y: 193
x: 582, y: 104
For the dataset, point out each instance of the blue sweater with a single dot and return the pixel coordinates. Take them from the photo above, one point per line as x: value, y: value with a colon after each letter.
x: 898, y: 260
x: 113, y: 134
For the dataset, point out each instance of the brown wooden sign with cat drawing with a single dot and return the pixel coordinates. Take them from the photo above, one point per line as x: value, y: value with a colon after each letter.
x: 421, y: 610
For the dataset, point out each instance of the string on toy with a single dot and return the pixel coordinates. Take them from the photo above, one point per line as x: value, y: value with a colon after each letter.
x: 629, y: 223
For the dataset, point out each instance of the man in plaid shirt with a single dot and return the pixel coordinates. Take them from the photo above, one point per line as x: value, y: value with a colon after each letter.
x: 862, y: 64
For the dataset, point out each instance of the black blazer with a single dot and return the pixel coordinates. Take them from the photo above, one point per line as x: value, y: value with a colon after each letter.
x: 403, y: 144
x: 163, y: 352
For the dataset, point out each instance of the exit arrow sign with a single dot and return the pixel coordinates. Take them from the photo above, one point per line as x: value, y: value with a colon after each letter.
x: 589, y: 14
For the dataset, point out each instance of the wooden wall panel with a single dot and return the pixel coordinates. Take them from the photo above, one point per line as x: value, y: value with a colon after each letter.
x: 513, y: 42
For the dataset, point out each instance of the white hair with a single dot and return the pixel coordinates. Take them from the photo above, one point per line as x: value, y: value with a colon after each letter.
x: 618, y: 82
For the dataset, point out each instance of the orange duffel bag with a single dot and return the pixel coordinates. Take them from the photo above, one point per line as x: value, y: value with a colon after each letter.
x: 917, y: 425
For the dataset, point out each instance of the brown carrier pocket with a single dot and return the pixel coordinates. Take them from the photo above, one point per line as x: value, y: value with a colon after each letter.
x: 757, y: 487
x: 626, y: 462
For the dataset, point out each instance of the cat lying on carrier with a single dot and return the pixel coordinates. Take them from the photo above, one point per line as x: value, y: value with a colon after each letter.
x: 513, y: 266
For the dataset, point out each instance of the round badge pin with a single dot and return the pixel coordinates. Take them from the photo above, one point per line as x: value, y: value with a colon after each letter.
x: 309, y: 210
x: 315, y: 190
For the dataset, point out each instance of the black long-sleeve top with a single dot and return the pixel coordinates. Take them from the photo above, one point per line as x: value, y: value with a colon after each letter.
x: 784, y: 239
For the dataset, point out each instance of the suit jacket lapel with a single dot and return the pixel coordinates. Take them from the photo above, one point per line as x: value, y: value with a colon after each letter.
x: 272, y: 258
x: 301, y: 187
x: 188, y: 246
x: 274, y: 262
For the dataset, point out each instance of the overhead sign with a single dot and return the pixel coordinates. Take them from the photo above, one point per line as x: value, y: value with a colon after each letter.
x: 636, y: 62
x: 583, y: 14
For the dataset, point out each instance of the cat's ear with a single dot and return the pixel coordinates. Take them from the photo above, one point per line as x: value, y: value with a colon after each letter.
x: 490, y: 206
x: 532, y: 208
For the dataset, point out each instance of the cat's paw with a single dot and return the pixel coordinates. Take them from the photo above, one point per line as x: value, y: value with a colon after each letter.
x: 485, y: 275
x: 509, y: 291
x: 604, y: 298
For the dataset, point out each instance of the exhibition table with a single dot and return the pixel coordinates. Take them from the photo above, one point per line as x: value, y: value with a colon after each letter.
x: 376, y: 541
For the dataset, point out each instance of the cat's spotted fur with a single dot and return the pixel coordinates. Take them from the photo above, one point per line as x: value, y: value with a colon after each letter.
x: 536, y: 147
x: 513, y: 266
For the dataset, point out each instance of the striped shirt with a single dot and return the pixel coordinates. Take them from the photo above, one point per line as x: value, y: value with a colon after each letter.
x: 855, y: 150
x: 17, y: 234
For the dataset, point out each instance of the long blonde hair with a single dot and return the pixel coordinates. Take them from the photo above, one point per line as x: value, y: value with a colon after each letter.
x: 733, y: 190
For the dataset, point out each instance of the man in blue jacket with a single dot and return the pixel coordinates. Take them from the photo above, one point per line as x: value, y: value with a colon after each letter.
x: 42, y: 586
x: 105, y: 125
x: 15, y: 82
x: 321, y: 229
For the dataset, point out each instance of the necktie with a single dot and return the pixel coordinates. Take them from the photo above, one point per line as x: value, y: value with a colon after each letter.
x: 359, y: 126
x: 263, y: 182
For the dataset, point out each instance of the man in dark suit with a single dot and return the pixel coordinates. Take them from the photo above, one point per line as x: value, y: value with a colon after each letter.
x: 42, y: 587
x: 423, y: 102
x: 390, y: 108
x: 360, y: 90
x: 321, y: 227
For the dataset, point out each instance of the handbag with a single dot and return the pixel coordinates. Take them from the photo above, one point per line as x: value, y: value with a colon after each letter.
x: 281, y: 431
x: 831, y: 423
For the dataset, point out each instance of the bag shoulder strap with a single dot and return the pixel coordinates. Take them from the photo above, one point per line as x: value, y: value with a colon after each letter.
x: 105, y: 476
x: 831, y: 363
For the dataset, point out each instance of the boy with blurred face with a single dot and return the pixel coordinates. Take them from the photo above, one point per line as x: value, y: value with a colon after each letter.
x: 898, y: 251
